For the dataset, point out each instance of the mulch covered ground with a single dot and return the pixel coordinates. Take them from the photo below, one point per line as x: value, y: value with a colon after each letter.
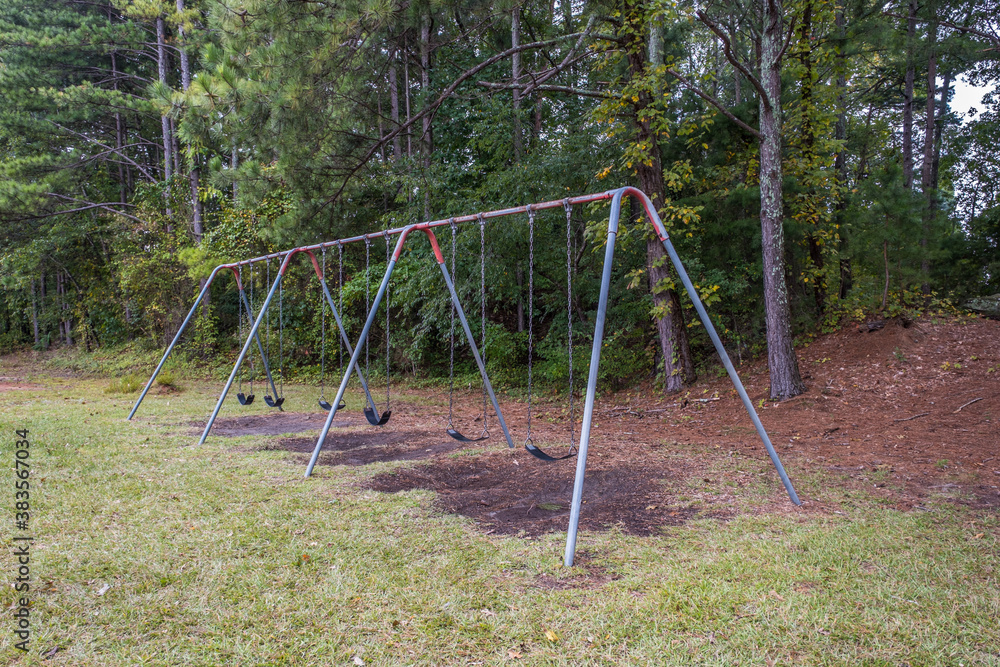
x: 903, y: 412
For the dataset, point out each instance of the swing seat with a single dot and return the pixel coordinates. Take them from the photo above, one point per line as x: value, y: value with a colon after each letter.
x: 538, y: 453
x: 244, y: 399
x: 461, y: 438
x: 274, y: 402
x: 374, y: 419
x: 327, y: 407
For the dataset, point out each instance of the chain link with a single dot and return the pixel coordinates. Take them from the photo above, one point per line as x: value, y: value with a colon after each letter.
x: 451, y: 333
x: 368, y: 246
x: 569, y: 311
x: 482, y: 302
x: 388, y: 257
x: 322, y: 319
x: 340, y: 300
x: 531, y: 308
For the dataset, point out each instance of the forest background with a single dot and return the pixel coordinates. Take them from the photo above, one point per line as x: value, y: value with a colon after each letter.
x: 804, y: 156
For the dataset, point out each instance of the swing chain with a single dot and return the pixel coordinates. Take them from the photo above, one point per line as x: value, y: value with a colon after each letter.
x: 368, y: 246
x: 281, y: 331
x: 451, y: 332
x: 322, y: 319
x: 239, y: 281
x: 482, y: 306
x: 569, y: 312
x: 253, y: 368
x: 340, y: 299
x: 388, y: 258
x: 531, y: 309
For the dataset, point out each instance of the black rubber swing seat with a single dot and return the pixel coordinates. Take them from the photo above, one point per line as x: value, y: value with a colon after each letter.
x: 244, y: 399
x: 462, y: 438
x: 374, y: 419
x: 538, y: 453
x: 274, y: 402
x: 325, y: 405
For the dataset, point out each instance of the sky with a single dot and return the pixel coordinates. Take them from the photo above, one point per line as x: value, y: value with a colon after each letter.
x: 967, y: 97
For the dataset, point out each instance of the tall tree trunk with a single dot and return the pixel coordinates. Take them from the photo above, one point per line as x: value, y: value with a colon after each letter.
x: 927, y: 172
x: 34, y: 313
x: 193, y: 175
x: 119, y: 136
x: 670, y: 326
x: 784, y: 368
x: 234, y: 164
x: 427, y: 137
x: 397, y: 150
x: 840, y: 161
x: 515, y: 67
x: 942, y: 113
x: 911, y: 33
x: 161, y: 64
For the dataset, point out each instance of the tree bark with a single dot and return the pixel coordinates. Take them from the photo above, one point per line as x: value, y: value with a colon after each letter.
x: 927, y: 172
x: 34, y: 313
x: 840, y: 161
x: 786, y: 381
x: 427, y: 136
x: 515, y: 67
x: 911, y: 32
x: 671, y: 329
x: 397, y: 150
x: 161, y: 64
x: 193, y: 175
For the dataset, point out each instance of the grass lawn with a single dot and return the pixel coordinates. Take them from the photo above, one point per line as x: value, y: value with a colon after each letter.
x: 150, y: 550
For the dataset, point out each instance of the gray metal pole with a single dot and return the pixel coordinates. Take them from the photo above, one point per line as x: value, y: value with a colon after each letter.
x: 354, y: 357
x: 263, y: 357
x: 243, y: 353
x: 347, y: 343
x: 177, y: 336
x: 595, y: 360
x: 475, y: 354
x: 730, y: 369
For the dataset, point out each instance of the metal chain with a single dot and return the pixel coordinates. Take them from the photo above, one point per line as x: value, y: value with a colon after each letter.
x: 340, y: 300
x: 451, y: 334
x: 569, y: 312
x: 239, y: 279
x: 253, y: 368
x: 531, y: 308
x: 482, y: 302
x: 267, y: 331
x: 388, y: 258
x: 281, y: 331
x: 368, y: 245
x: 322, y: 319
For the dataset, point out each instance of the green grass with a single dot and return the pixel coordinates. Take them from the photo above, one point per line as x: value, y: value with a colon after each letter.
x: 222, y: 554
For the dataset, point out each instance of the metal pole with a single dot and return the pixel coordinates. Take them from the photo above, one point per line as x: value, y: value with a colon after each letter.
x: 475, y: 352
x: 356, y: 354
x: 595, y: 360
x: 350, y: 350
x: 730, y: 369
x: 246, y: 347
x: 263, y: 357
x: 177, y: 336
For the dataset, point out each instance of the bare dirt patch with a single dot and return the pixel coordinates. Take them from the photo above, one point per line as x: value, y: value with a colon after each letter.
x: 275, y: 423
x: 509, y: 493
x: 16, y: 384
x: 363, y: 446
x: 904, y: 414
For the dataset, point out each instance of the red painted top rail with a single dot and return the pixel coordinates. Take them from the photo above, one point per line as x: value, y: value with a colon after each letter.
x: 583, y: 199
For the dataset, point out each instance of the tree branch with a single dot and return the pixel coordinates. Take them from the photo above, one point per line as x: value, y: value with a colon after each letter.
x: 714, y: 102
x: 437, y: 102
x: 727, y: 49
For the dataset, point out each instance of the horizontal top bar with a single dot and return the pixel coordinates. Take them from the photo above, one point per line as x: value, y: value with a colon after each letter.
x: 583, y: 199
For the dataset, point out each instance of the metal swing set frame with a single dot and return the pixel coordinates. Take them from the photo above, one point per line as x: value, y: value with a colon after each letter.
x: 615, y: 196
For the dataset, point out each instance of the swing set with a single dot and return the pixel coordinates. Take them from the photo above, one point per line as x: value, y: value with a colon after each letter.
x: 276, y: 399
